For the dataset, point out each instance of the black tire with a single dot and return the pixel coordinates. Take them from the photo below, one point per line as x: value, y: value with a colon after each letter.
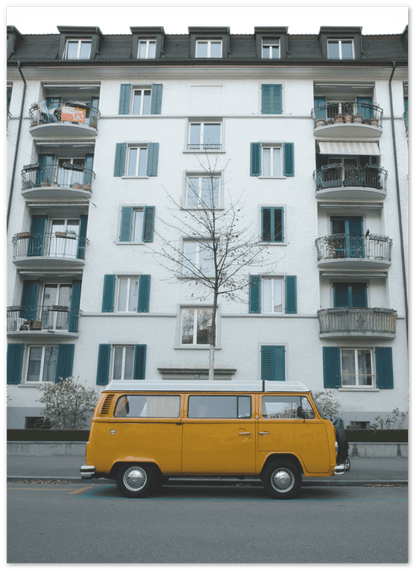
x: 136, y: 480
x: 281, y: 479
x: 347, y: 463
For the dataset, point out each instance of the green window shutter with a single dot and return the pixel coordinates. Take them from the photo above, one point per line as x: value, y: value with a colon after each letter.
x: 152, y: 159
x: 45, y: 173
x: 149, y: 223
x: 254, y: 294
x: 332, y: 367
x: 108, y: 293
x: 124, y: 103
x: 126, y: 223
x: 320, y: 107
x: 358, y: 295
x: 89, y: 160
x: 271, y: 99
x: 144, y: 294
x: 74, y: 311
x: 64, y: 361
x: 15, y: 353
x: 120, y: 160
x: 103, y: 367
x: 289, y: 159
x: 273, y: 363
x: 82, y: 238
x: 255, y: 162
x: 266, y: 224
x: 139, y: 362
x: 36, y: 244
x: 29, y: 300
x: 156, y: 104
x: 291, y: 294
x: 384, y: 367
x: 341, y: 295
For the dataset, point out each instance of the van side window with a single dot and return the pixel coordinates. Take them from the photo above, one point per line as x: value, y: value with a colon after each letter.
x: 148, y: 406
x: 287, y: 407
x: 219, y: 407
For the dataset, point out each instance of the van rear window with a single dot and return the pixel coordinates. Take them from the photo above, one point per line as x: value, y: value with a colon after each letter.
x: 148, y: 406
x: 219, y: 406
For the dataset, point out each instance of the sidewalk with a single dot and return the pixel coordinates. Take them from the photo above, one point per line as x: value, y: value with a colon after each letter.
x: 363, y: 471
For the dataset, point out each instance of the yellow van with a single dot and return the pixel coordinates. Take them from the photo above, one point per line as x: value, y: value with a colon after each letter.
x: 142, y: 432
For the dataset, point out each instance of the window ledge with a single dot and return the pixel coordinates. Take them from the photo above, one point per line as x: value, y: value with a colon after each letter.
x: 129, y: 243
x: 134, y: 177
x: 360, y: 390
x: 196, y: 347
x: 29, y: 386
x: 204, y: 151
x: 273, y: 243
x: 272, y: 177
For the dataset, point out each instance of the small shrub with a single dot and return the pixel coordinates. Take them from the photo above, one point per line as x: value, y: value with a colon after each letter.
x: 395, y: 421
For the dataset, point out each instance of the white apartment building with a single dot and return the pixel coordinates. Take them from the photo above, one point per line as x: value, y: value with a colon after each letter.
x: 311, y: 130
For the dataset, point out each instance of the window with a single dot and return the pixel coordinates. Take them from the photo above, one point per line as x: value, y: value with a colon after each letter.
x: 146, y: 49
x: 137, y: 224
x: 204, y: 136
x: 64, y: 234
x: 56, y: 304
x: 272, y: 99
x: 273, y: 295
x: 287, y: 407
x: 271, y: 161
x: 137, y: 161
x: 141, y: 101
x: 270, y: 49
x: 127, y: 294
x: 78, y: 49
x: 208, y: 49
x: 273, y: 363
x: 148, y: 406
x: 202, y: 191
x: 272, y: 225
x: 340, y: 49
x: 196, y: 326
x: 219, y: 407
x: 123, y: 361
x: 42, y: 364
x: 350, y: 294
x: 70, y: 176
x: 357, y: 368
x: 198, y: 258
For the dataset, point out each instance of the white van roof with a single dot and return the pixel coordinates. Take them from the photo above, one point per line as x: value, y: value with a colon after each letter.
x: 206, y: 386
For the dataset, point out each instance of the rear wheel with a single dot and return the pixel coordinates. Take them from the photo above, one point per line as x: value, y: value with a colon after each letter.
x: 347, y: 463
x: 281, y: 479
x: 136, y: 480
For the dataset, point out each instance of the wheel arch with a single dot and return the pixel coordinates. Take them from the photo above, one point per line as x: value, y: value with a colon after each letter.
x: 291, y: 457
x: 122, y: 463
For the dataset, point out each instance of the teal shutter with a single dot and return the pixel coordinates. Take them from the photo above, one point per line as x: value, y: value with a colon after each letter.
x: 139, y: 372
x: 255, y: 160
x: 291, y: 294
x: 45, y: 174
x: 341, y: 295
x: 254, y: 294
x: 273, y: 363
x: 266, y: 224
x: 126, y: 223
x: 358, y: 295
x: 103, y: 367
x: 320, y: 107
x: 29, y: 300
x: 144, y: 294
x: 36, y: 244
x: 89, y: 160
x: 82, y: 238
x: 15, y: 353
x: 124, y: 103
x: 108, y: 293
x: 149, y: 223
x: 74, y: 310
x: 271, y: 99
x: 152, y: 159
x: 364, y: 107
x: 332, y: 367
x: 406, y: 113
x: 384, y: 367
x: 156, y: 104
x: 289, y: 159
x: 120, y: 160
x: 64, y: 361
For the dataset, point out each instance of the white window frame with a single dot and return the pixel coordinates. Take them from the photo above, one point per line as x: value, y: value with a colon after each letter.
x: 340, y: 42
x: 272, y: 291
x: 123, y: 362
x: 57, y: 295
x: 129, y: 279
x: 194, y: 343
x: 147, y: 42
x: 271, y: 147
x: 357, y: 386
x: 200, y: 176
x: 269, y: 44
x: 201, y: 146
x: 197, y: 264
x: 139, y: 147
x: 142, y: 89
x: 80, y: 41
x: 209, y: 48
x: 42, y: 366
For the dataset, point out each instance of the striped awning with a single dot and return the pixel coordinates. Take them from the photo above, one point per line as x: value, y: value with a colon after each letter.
x: 342, y: 148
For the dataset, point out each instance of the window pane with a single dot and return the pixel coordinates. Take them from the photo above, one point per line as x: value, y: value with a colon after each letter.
x: 209, y: 192
x: 278, y: 234
x: 275, y: 52
x: 132, y: 162
x: 118, y: 361
x: 142, y: 50
x: 212, y: 135
x: 122, y: 294
x: 187, y: 326
x: 267, y: 296
x: 280, y: 406
x: 193, y: 192
x: 49, y: 366
x: 212, y: 407
x: 128, y: 364
x: 206, y: 259
x: 138, y: 226
x: 266, y: 235
x: 333, y: 50
x: 85, y: 50
x: 189, y: 261
x: 142, y: 163
x: 277, y: 296
x: 347, y: 50
x: 244, y: 407
x: 134, y: 294
x: 204, y: 323
x: 140, y: 406
x: 277, y: 170
x: 64, y: 300
x: 152, y: 50
x: 35, y: 358
x: 364, y: 367
x: 266, y: 162
x: 195, y: 135
x: 202, y: 49
x: 137, y: 102
x: 266, y: 52
x: 146, y: 101
x: 215, y: 49
x: 348, y: 367
x: 72, y: 52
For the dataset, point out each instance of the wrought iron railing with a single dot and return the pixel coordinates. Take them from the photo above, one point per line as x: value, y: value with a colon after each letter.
x: 63, y: 245
x: 76, y: 112
x: 335, y: 175
x: 66, y: 175
x: 42, y: 318
x: 364, y: 321
x: 406, y: 120
x: 343, y: 246
x: 348, y: 112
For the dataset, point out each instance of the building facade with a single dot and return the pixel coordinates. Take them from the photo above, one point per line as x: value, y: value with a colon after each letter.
x: 311, y: 130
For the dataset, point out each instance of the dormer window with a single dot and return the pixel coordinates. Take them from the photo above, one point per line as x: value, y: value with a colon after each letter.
x: 341, y: 49
x: 270, y: 49
x: 146, y: 49
x: 208, y: 49
x: 78, y: 49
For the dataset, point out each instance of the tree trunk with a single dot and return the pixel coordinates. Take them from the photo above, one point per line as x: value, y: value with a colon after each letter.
x: 211, y: 363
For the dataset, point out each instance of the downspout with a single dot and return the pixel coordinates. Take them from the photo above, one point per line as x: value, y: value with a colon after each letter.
x: 17, y: 145
x: 399, y: 206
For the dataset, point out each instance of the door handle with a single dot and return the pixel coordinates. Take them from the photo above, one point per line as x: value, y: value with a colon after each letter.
x: 265, y: 433
x: 244, y: 434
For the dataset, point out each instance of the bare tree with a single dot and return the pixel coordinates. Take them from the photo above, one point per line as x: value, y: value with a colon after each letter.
x: 214, y: 247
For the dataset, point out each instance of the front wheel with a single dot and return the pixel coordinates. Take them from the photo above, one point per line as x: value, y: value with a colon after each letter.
x: 136, y: 481
x: 347, y: 463
x: 281, y: 479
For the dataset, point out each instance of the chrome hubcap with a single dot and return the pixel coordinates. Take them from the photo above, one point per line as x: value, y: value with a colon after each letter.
x: 282, y: 480
x: 135, y: 478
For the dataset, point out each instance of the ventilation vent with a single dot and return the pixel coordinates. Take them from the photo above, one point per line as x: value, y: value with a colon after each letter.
x: 107, y: 404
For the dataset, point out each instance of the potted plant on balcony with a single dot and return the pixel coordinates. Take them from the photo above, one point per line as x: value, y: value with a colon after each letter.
x: 329, y: 121
x: 348, y: 118
x: 60, y: 234
x: 339, y: 119
x: 87, y: 186
x: 320, y: 122
x: 357, y: 118
x: 374, y: 121
x: 22, y: 235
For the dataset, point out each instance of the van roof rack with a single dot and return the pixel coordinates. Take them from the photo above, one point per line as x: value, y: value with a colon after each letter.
x: 207, y: 386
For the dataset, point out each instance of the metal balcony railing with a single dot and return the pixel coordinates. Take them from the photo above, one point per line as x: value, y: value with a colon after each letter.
x: 63, y: 245
x: 335, y: 175
x: 76, y: 112
x: 348, y: 112
x: 365, y: 321
x: 65, y: 175
x: 342, y: 246
x: 406, y: 120
x: 43, y: 318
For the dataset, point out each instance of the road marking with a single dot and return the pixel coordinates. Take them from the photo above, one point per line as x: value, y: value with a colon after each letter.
x: 41, y: 489
x: 80, y: 490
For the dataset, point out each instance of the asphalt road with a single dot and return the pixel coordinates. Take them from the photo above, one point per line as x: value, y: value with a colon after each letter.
x: 90, y: 523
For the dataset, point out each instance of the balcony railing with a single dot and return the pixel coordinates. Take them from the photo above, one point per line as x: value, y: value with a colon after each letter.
x: 347, y: 112
x: 66, y: 175
x: 75, y: 112
x: 406, y: 120
x: 61, y: 245
x: 339, y: 321
x: 344, y: 246
x: 43, y: 318
x: 335, y: 175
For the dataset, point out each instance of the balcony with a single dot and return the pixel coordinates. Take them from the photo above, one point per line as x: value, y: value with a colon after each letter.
x: 67, y: 181
x: 41, y: 321
x: 75, y: 119
x: 49, y: 250
x: 357, y: 322
x: 345, y: 251
x: 343, y: 120
x: 350, y: 182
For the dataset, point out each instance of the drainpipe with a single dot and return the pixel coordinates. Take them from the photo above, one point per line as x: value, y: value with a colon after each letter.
x: 399, y: 206
x: 17, y: 144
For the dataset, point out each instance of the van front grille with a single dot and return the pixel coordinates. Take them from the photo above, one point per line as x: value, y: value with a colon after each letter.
x: 105, y: 409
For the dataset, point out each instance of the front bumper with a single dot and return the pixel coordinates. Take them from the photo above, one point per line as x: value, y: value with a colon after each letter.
x: 87, y: 472
x: 339, y: 470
